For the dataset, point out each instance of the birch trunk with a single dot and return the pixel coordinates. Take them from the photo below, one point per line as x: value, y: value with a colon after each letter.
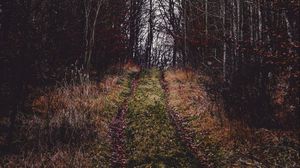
x: 90, y: 26
x: 223, y: 9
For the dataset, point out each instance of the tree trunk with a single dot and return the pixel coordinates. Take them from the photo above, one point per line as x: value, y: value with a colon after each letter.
x: 223, y: 9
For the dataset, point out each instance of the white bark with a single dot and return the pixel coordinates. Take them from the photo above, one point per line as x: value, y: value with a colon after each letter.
x: 234, y: 32
x: 259, y: 21
x: 288, y: 27
x: 206, y: 18
x: 185, y: 32
x: 223, y: 9
x: 251, y: 23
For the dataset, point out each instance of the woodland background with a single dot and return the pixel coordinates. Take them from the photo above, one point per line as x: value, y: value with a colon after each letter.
x: 249, y: 48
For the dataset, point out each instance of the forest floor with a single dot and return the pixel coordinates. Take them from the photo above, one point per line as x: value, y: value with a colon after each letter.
x: 143, y: 118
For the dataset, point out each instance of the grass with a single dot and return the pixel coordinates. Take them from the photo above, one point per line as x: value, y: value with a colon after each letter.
x: 152, y: 140
x: 220, y: 142
x: 70, y: 124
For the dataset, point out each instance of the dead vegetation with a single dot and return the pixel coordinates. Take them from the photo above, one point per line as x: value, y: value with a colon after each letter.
x: 221, y: 142
x: 69, y: 126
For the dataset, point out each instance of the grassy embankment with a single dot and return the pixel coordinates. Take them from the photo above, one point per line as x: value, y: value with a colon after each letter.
x: 226, y: 144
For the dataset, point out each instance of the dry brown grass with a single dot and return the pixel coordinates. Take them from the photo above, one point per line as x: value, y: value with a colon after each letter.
x: 88, y: 95
x: 60, y: 157
x: 235, y: 143
x: 190, y: 99
x: 131, y: 67
x: 81, y: 105
x: 70, y: 124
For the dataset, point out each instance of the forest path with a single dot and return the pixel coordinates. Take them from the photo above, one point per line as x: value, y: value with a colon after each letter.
x: 152, y: 140
x: 118, y: 126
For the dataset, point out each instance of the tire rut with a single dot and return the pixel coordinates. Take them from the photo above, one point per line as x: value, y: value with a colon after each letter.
x: 185, y: 136
x: 117, y: 131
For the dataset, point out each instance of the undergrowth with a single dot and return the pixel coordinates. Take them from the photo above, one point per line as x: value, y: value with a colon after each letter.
x: 218, y: 141
x: 69, y: 126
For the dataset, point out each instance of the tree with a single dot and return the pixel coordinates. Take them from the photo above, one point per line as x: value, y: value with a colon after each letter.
x: 91, y: 13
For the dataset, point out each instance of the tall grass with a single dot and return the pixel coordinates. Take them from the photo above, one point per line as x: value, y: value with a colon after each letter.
x: 69, y: 126
x: 234, y: 142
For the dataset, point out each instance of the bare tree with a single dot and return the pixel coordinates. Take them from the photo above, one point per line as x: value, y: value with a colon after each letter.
x: 91, y: 13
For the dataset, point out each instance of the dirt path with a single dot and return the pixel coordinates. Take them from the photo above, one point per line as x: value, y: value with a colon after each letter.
x: 185, y: 136
x: 117, y: 129
x: 152, y: 140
